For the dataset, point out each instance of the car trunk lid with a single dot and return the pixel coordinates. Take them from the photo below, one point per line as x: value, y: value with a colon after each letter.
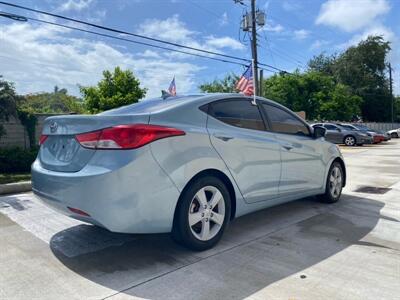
x: 62, y: 152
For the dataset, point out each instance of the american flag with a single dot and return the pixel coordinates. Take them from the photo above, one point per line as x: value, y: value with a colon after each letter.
x: 245, y: 83
x: 172, y: 87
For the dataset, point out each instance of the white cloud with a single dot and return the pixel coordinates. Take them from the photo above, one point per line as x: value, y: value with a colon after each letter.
x: 274, y: 28
x: 378, y: 29
x: 224, y: 19
x: 170, y: 29
x: 290, y: 5
x: 224, y: 42
x: 301, y: 34
x: 149, y: 54
x: 318, y: 44
x: 98, y: 16
x: 351, y: 15
x: 38, y: 57
x: 77, y: 5
x: 174, y: 30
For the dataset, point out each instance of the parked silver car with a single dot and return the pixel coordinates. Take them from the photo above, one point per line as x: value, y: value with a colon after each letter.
x: 344, y: 135
x: 186, y: 165
x: 394, y: 133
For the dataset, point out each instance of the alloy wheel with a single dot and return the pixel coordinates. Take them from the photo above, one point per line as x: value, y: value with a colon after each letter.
x: 206, y: 213
x: 349, y: 141
x: 335, y: 182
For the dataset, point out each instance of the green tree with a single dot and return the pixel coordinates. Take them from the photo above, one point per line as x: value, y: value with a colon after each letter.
x: 225, y: 85
x: 341, y: 104
x: 364, y: 69
x: 315, y: 93
x: 56, y: 102
x: 322, y: 63
x: 8, y: 103
x: 116, y: 89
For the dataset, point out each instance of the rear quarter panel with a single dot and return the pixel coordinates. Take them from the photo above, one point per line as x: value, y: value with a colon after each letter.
x: 183, y: 157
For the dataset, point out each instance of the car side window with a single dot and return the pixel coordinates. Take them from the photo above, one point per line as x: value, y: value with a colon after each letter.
x: 330, y: 127
x: 284, y: 122
x: 237, y: 112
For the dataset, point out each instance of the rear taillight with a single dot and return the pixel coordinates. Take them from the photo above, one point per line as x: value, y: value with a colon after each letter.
x: 42, y: 139
x: 78, y: 211
x: 126, y: 136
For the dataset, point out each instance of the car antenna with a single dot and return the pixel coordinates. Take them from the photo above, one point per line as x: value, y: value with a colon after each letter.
x: 165, y: 94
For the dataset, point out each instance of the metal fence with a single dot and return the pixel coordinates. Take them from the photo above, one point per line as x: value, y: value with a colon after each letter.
x: 381, y: 126
x: 373, y: 125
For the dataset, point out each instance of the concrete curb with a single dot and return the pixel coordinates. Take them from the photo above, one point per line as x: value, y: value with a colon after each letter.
x: 16, y: 187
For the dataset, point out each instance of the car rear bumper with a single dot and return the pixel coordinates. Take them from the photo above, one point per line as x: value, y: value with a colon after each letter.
x: 378, y: 139
x: 129, y: 194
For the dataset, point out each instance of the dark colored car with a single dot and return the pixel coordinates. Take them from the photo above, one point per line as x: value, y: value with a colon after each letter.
x: 340, y: 135
x: 378, y: 136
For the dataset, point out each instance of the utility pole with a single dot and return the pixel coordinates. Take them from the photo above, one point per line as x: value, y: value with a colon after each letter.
x: 249, y: 23
x: 391, y: 91
x: 261, y: 81
x: 254, y: 45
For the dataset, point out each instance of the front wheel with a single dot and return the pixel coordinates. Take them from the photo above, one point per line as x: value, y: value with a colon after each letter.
x: 349, y: 140
x: 202, y: 214
x: 334, y: 184
x: 394, y: 135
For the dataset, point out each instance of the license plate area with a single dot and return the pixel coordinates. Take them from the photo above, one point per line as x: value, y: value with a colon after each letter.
x: 63, y: 148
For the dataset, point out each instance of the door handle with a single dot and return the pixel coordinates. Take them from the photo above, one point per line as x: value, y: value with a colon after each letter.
x: 224, y: 138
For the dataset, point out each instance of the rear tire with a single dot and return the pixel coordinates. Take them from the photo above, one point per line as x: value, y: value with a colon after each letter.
x: 334, y: 184
x: 349, y: 140
x: 202, y: 214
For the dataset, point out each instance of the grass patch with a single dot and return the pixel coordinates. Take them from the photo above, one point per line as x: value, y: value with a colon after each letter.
x: 9, y: 178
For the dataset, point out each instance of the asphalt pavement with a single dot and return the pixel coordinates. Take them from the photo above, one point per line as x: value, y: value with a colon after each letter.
x: 299, y: 250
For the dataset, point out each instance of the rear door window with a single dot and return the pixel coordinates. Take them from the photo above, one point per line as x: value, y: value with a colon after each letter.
x: 237, y: 112
x: 282, y: 121
x: 330, y: 127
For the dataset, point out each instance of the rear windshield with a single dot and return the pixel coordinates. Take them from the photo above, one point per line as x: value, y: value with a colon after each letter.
x: 147, y: 106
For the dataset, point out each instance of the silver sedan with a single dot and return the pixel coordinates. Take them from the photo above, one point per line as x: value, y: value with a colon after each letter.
x: 186, y: 165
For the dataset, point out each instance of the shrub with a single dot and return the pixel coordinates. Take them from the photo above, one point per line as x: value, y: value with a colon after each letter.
x: 17, y: 160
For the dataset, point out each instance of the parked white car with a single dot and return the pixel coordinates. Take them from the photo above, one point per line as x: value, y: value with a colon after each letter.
x: 394, y: 133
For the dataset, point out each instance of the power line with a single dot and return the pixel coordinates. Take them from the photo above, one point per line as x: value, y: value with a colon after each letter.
x: 282, y: 55
x: 268, y: 48
x: 122, y: 31
x: 132, y: 34
x: 133, y: 41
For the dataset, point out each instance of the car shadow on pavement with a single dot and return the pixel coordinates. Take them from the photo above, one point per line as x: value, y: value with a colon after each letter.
x: 256, y: 251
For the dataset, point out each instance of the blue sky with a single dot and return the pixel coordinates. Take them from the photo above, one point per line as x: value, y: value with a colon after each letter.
x: 36, y: 57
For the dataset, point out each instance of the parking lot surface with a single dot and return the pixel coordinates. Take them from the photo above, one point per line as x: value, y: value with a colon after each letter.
x: 299, y: 250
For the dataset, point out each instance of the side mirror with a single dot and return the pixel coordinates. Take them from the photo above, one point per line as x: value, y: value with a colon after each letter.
x: 319, y: 132
x: 340, y: 130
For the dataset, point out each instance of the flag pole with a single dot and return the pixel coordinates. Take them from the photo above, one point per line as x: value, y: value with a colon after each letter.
x: 254, y: 89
